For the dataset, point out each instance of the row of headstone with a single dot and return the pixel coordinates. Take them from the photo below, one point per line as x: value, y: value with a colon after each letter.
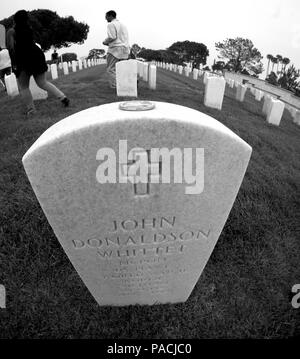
x: 74, y: 65
x: 215, y: 89
x: 214, y: 84
x: 272, y: 107
x: 39, y: 94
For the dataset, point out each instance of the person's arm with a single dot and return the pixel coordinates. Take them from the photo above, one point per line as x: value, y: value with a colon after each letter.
x: 111, y: 34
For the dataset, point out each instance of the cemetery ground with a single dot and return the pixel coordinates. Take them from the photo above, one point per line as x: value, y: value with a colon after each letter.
x: 245, y: 288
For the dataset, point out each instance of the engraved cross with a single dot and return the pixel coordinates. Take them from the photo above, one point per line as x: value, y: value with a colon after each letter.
x: 153, y: 171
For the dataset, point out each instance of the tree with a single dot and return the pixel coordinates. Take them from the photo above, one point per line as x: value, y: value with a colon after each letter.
x: 279, y: 61
x: 96, y: 53
x: 269, y: 57
x: 285, y: 62
x: 218, y: 66
x: 289, y: 79
x: 240, y: 54
x: 135, y: 49
x: 69, y: 56
x: 150, y: 55
x: 272, y: 79
x: 274, y: 61
x: 160, y: 55
x: 51, y: 30
x: 190, y: 52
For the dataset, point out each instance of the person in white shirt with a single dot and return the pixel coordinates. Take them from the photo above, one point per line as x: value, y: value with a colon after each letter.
x: 5, y: 65
x: 118, y: 45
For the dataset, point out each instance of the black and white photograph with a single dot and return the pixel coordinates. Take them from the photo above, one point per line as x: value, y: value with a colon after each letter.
x: 149, y: 173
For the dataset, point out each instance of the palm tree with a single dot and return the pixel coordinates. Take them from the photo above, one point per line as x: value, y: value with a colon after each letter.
x: 285, y: 62
x: 274, y: 61
x: 269, y: 57
x: 279, y: 61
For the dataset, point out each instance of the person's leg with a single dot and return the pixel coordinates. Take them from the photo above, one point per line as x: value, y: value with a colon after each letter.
x: 41, y: 81
x: 111, y: 69
x: 23, y: 81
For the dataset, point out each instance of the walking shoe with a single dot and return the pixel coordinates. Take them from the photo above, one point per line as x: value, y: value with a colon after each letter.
x: 65, y: 101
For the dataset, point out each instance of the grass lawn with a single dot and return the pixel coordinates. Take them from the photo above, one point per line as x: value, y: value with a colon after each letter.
x: 245, y: 289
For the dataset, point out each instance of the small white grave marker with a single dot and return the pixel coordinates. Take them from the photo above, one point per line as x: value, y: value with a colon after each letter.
x: 126, y: 78
x: 258, y: 95
x: 54, y: 73
x: 275, y: 112
x: 195, y: 74
x: 152, y: 77
x: 205, y: 77
x: 267, y: 104
x: 145, y: 71
x: 214, y: 92
x: 74, y: 65
x: 65, y: 68
x: 296, y: 117
x: 11, y: 85
x: 241, y: 92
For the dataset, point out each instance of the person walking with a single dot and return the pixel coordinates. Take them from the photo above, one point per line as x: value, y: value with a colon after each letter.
x: 29, y: 60
x: 118, y: 45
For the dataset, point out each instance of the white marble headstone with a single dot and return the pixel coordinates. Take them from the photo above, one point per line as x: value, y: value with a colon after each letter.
x: 152, y: 77
x: 131, y: 242
x: 205, y: 77
x: 145, y: 71
x: 195, y: 74
x: 296, y: 117
x: 53, y: 69
x: 74, y: 65
x: 267, y: 104
x: 258, y: 95
x: 241, y: 92
x: 214, y: 92
x: 275, y: 112
x: 65, y: 68
x: 11, y: 85
x: 126, y: 78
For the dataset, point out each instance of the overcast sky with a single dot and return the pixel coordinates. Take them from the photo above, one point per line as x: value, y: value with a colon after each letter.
x: 272, y: 25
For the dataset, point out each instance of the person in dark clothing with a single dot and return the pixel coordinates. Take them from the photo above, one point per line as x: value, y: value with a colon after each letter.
x: 29, y: 60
